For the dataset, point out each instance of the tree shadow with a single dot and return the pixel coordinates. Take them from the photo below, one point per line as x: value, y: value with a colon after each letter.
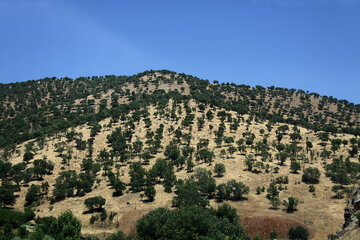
x: 97, y: 210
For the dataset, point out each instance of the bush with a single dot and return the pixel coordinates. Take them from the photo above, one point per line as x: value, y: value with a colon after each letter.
x: 150, y: 193
x: 219, y: 169
x: 298, y: 233
x: 103, y: 215
x: 273, y: 234
x: 95, y: 203
x: 93, y: 219
x: 32, y: 195
x: 311, y: 175
x: 311, y: 188
x: 291, y: 204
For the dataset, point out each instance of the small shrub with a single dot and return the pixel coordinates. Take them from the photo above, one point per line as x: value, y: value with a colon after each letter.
x: 93, y: 219
x: 273, y: 234
x: 298, y: 233
x: 103, y: 215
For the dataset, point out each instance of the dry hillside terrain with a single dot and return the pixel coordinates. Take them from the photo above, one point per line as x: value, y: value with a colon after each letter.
x: 261, y: 136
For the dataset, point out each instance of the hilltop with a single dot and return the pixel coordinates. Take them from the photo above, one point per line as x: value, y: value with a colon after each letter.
x: 137, y: 141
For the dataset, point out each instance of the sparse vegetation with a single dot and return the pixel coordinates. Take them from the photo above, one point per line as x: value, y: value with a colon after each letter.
x: 207, y: 143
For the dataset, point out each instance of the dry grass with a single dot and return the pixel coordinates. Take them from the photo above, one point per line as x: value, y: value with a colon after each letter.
x: 322, y: 214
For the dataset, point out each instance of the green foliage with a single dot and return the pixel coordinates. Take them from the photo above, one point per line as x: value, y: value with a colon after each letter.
x: 298, y: 233
x: 273, y: 234
x: 65, y: 185
x: 31, y: 118
x: 291, y: 204
x: 120, y: 236
x: 85, y: 182
x: 33, y: 194
x: 103, y: 215
x: 187, y: 194
x: 357, y: 215
x: 68, y: 227
x: 150, y: 193
x: 272, y: 191
x: 172, y: 152
x: 14, y: 218
x: 93, y: 219
x: 94, y: 203
x: 232, y: 190
x: 28, y: 156
x: 311, y: 188
x: 275, y: 202
x: 219, y: 169
x: 205, y: 155
x: 118, y: 142
x: 163, y: 223
x: 169, y: 178
x: 137, y: 177
x: 311, y: 175
x: 7, y: 197
x: 119, y: 187
x: 189, y: 165
x: 249, y: 162
x: 205, y: 182
x: 295, y: 166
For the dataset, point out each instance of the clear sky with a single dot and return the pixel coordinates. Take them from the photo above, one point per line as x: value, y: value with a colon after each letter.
x: 304, y: 44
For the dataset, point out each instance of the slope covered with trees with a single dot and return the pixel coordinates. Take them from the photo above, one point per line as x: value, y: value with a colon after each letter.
x: 113, y: 149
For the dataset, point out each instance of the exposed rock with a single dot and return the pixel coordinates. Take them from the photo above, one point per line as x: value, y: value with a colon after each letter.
x: 352, y: 207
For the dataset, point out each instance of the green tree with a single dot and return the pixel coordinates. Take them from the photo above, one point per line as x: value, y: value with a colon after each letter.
x: 150, y: 193
x: 291, y: 204
x: 295, y: 166
x: 137, y: 177
x: 119, y: 187
x: 275, y: 202
x: 209, y: 115
x: 311, y: 175
x: 219, y: 169
x: 68, y: 227
x: 7, y: 197
x: 187, y: 194
x: 205, y: 182
x: 189, y: 165
x: 223, y: 192
x: 94, y: 203
x: 183, y: 223
x: 249, y: 162
x: 33, y: 195
x: 272, y: 191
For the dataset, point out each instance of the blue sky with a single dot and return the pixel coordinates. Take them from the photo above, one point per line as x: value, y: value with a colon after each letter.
x: 304, y: 44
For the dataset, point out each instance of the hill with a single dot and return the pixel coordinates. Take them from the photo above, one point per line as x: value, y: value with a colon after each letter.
x: 122, y: 137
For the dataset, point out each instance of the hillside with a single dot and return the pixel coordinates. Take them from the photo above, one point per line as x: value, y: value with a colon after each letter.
x: 121, y: 137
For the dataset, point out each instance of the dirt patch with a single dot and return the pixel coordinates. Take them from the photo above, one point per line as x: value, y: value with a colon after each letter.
x: 128, y: 222
x: 264, y: 224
